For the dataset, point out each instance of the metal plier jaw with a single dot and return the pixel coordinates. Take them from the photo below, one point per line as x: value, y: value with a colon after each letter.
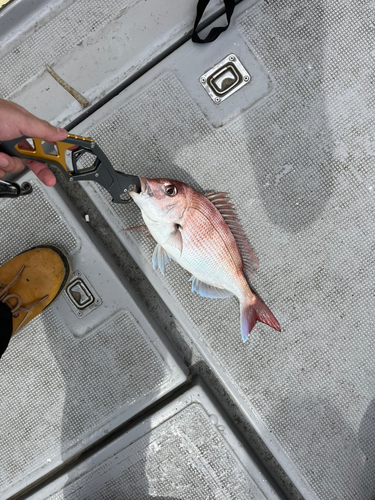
x: 67, y: 155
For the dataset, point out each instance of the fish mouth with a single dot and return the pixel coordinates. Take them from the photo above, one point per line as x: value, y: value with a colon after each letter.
x: 146, y: 188
x: 144, y: 184
x: 144, y: 193
x: 135, y: 193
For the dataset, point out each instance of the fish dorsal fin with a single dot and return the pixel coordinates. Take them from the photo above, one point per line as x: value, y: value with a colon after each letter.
x: 160, y: 258
x: 222, y: 202
x: 209, y: 291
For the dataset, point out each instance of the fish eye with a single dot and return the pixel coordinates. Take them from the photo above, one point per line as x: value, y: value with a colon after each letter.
x: 170, y: 190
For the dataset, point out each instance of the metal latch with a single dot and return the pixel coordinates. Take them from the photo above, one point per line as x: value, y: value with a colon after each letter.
x: 81, y: 295
x: 225, y: 78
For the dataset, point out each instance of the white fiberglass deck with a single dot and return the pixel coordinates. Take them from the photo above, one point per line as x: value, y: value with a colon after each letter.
x: 294, y: 147
x: 73, y: 375
x: 187, y: 449
x: 61, y: 57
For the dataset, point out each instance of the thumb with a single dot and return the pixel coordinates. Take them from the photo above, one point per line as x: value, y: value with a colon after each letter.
x: 35, y: 127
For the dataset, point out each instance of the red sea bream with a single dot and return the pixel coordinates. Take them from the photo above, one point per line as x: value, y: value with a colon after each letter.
x: 202, y: 233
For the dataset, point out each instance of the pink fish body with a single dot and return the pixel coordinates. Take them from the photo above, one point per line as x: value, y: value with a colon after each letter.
x: 202, y: 234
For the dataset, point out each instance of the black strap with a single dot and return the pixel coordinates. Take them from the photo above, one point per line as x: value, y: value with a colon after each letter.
x: 215, y: 32
x: 6, y: 327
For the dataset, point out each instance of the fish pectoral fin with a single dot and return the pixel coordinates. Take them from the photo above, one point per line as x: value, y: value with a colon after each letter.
x: 160, y: 258
x: 206, y: 290
x: 175, y: 240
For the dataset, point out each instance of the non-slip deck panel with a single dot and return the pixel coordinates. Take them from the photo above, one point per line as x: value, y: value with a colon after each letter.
x: 186, y: 450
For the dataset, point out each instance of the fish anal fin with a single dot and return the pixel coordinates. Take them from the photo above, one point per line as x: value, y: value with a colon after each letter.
x: 160, y: 258
x: 222, y: 203
x: 208, y: 291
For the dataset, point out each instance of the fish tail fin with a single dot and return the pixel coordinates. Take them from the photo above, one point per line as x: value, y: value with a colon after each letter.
x: 253, y: 311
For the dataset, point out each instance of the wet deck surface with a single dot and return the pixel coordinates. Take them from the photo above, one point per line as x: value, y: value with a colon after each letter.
x: 294, y: 148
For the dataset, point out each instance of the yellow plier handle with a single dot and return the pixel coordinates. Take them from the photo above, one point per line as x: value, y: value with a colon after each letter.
x: 71, y: 150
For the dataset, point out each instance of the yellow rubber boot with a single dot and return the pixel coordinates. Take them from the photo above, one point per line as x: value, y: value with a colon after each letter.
x: 30, y: 282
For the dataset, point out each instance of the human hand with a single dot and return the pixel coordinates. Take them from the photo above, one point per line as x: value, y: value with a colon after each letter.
x: 15, y: 122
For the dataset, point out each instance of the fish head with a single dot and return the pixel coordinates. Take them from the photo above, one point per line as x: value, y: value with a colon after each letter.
x: 162, y: 200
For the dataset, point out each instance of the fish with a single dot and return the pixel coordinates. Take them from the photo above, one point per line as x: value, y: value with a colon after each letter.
x: 203, y: 234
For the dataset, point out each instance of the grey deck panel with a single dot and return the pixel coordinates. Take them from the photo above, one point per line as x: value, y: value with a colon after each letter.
x: 66, y: 381
x: 186, y: 450
x: 93, y: 46
x: 295, y: 150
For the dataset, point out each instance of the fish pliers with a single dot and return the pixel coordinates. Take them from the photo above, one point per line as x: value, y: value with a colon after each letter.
x: 79, y: 158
